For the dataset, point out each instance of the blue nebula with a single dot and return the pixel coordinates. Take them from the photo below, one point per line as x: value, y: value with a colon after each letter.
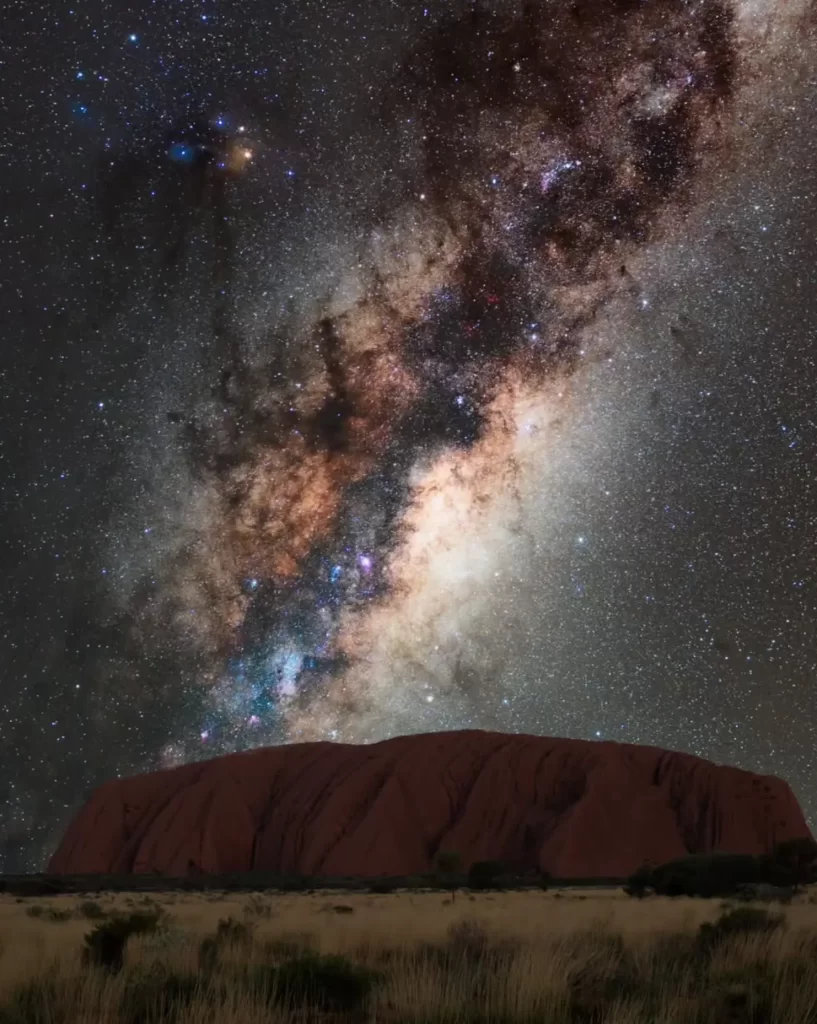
x: 182, y: 153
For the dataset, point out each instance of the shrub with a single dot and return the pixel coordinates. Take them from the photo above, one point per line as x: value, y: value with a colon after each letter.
x: 35, y: 1001
x: 157, y: 994
x: 257, y: 906
x: 49, y: 913
x: 468, y: 940
x: 639, y: 882
x: 294, y: 884
x: 229, y: 932
x: 288, y: 946
x: 105, y: 944
x: 738, y: 921
x: 593, y: 994
x: 767, y: 893
x: 708, y: 875
x: 208, y: 954
x: 325, y: 982
x: 383, y: 887
x: 91, y: 910
x: 58, y: 915
x: 485, y: 874
x: 800, y: 857
x: 675, y: 954
x: 742, y: 995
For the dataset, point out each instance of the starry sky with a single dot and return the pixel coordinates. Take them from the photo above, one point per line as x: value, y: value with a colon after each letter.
x: 372, y: 368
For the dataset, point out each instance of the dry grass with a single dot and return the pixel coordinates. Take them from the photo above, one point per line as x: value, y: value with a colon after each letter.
x: 565, y: 958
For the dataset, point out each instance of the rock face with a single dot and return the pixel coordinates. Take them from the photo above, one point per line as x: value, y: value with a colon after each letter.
x: 571, y: 807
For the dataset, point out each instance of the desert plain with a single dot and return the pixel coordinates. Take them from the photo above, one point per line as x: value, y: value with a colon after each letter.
x: 561, y: 956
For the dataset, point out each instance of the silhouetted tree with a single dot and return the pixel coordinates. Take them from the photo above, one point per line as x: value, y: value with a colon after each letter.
x: 800, y: 856
x: 639, y: 881
x: 449, y: 868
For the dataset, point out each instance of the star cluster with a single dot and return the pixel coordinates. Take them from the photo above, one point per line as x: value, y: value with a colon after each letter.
x: 380, y: 370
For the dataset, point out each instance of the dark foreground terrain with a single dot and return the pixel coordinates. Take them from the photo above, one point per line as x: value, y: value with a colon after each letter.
x: 553, y: 957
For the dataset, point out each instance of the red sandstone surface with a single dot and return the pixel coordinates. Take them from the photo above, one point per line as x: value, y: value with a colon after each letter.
x: 572, y: 807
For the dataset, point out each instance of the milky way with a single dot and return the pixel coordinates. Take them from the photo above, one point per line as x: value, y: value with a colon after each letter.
x: 394, y: 377
x: 346, y: 473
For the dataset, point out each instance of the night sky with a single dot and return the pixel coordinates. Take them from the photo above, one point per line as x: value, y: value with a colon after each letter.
x: 374, y: 368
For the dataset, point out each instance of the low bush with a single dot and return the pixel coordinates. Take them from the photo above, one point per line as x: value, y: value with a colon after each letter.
x: 90, y: 910
x: 48, y: 913
x: 738, y: 996
x: 485, y: 874
x: 58, y: 915
x: 257, y: 906
x: 383, y: 887
x: 727, y: 874
x: 157, y: 994
x: 229, y: 932
x: 467, y: 940
x: 640, y: 882
x: 708, y: 875
x: 325, y: 982
x: 738, y: 921
x: 35, y: 1001
x: 105, y: 944
x: 288, y: 946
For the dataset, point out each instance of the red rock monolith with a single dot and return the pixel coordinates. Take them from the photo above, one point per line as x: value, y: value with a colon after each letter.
x: 571, y: 807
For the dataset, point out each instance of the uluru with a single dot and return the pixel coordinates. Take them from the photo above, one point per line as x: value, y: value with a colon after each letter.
x: 573, y: 808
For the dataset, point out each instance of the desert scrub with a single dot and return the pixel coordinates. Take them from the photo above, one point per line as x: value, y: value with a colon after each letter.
x: 257, y: 906
x: 157, y: 994
x: 229, y: 932
x: 90, y: 910
x: 105, y: 944
x: 288, y: 945
x: 49, y: 913
x: 738, y: 921
x: 41, y: 1000
x: 325, y: 983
